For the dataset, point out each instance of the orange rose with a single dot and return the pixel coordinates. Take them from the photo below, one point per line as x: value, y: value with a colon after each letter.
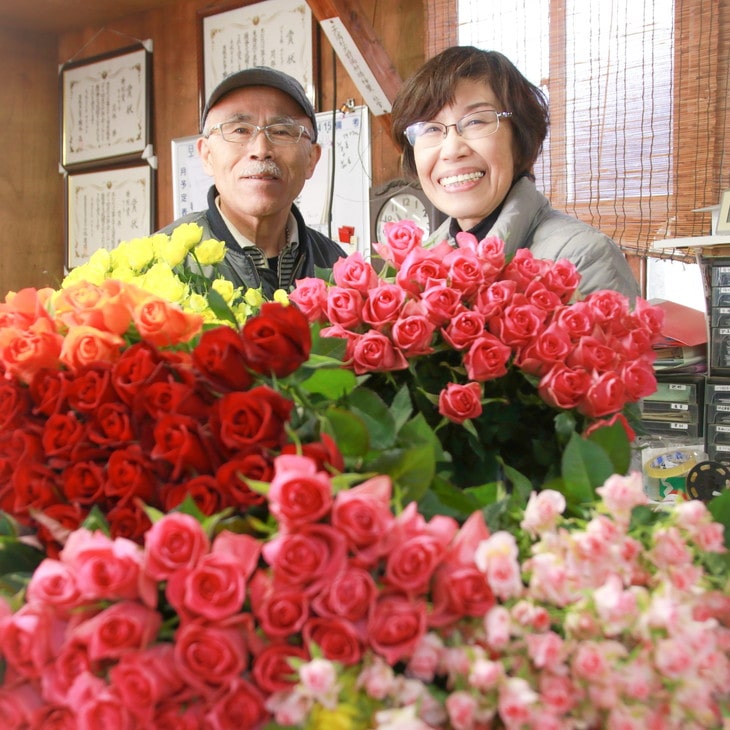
x: 98, y: 306
x: 23, y: 352
x: 84, y: 345
x: 22, y: 308
x: 163, y: 323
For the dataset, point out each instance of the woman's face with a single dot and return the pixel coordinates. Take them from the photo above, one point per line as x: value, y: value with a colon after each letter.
x: 467, y: 178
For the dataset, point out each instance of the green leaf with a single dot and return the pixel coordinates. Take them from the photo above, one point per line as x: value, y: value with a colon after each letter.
x: 376, y: 416
x: 411, y: 469
x: 349, y: 431
x: 585, y: 466
x: 332, y: 383
x: 614, y: 441
x: 220, y: 308
x: 720, y: 510
x: 17, y: 557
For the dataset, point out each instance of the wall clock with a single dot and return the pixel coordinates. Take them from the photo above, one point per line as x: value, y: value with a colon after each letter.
x: 401, y: 200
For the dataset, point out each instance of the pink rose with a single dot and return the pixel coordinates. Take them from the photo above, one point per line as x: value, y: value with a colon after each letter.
x: 30, y: 638
x: 564, y: 387
x: 525, y: 268
x: 308, y: 558
x: 54, y: 583
x: 537, y: 294
x: 518, y: 324
x: 350, y: 595
x: 463, y: 329
x: 491, y: 300
x: 299, y: 492
x: 121, y: 628
x: 344, y: 306
x: 363, y: 515
x: 423, y: 268
x: 459, y: 402
x: 412, y: 562
x: 562, y: 278
x: 396, y: 626
x: 383, y: 304
x: 606, y: 394
x: 608, y: 307
x: 282, y: 610
x: 441, y: 302
x: 214, y: 589
x: 337, y: 639
x: 240, y: 705
x: 591, y: 353
x: 401, y: 238
x: 486, y: 358
x: 458, y: 591
x: 413, y: 332
x: 272, y: 667
x: 639, y: 379
x: 575, y: 320
x: 310, y: 295
x: 210, y: 656
x: 465, y: 271
x: 176, y: 541
x: 353, y: 272
x: 550, y: 347
x: 374, y: 352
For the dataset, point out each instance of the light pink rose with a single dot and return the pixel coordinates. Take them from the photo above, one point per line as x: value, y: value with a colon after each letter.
x: 462, y: 708
x: 486, y: 358
x: 54, y: 583
x: 383, y: 304
x: 344, y: 307
x: 621, y: 494
x: 459, y: 402
x: 498, y: 624
x: 542, y: 511
x: 498, y: 558
x: 319, y: 678
x: 516, y: 700
x: 373, y: 352
x: 121, y: 628
x: 484, y: 674
x: 546, y: 650
x: 174, y: 542
x: 299, y: 492
x: 425, y: 661
x: 377, y: 679
x: 353, y: 272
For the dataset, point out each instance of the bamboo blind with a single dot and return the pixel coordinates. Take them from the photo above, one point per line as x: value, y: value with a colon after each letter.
x: 639, y: 123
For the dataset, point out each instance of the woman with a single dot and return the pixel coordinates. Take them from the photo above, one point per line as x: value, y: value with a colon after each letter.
x: 470, y: 127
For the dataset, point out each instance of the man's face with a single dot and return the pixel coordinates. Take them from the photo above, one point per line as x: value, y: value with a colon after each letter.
x: 260, y: 179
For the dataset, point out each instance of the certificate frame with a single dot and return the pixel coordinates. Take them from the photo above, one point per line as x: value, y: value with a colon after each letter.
x: 190, y: 182
x: 105, y: 109
x: 275, y: 33
x: 105, y: 207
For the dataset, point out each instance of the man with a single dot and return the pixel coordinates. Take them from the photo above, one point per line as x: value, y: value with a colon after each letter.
x: 259, y: 143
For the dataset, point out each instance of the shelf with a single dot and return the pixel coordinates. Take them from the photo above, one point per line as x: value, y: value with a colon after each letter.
x: 691, y: 242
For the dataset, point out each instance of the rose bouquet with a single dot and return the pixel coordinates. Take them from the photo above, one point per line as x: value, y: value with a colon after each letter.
x: 346, y: 613
x: 494, y: 354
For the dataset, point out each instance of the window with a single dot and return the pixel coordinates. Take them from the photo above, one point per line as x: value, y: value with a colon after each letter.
x: 638, y: 94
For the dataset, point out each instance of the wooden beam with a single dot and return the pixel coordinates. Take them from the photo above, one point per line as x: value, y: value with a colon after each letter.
x: 363, y: 34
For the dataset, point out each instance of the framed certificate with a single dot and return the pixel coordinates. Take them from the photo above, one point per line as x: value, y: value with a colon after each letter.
x: 105, y: 108
x: 105, y: 207
x: 190, y: 182
x: 275, y: 33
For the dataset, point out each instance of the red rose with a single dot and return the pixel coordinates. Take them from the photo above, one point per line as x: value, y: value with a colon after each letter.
x: 130, y: 475
x: 277, y: 341
x: 180, y: 442
x: 220, y: 358
x: 395, y: 627
x: 111, y: 425
x: 324, y: 453
x: 129, y: 521
x: 83, y: 483
x: 252, y: 420
x: 15, y: 404
x: 336, y: 638
x: 62, y: 434
x: 35, y: 486
x: 460, y: 402
x: 272, y: 667
x: 58, y: 520
x: 202, y: 489
x: 139, y: 365
x: 170, y: 396
x: 48, y: 390
x: 231, y: 479
x: 90, y: 387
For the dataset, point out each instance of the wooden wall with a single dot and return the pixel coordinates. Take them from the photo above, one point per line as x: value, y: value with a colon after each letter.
x: 31, y: 187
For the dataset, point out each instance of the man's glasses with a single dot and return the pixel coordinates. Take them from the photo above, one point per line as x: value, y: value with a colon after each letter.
x: 245, y: 133
x: 472, y: 126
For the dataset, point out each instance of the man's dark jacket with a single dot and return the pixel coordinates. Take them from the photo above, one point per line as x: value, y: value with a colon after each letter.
x: 315, y: 249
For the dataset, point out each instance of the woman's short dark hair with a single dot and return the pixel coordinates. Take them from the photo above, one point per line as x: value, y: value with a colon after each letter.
x: 433, y: 86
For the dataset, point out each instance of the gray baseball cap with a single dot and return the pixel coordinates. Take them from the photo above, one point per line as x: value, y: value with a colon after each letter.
x: 261, y: 76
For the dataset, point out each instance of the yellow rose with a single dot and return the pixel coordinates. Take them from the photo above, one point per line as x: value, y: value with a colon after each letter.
x: 83, y: 273
x: 210, y: 252
x: 187, y: 235
x: 253, y: 297
x: 139, y: 253
x: 241, y: 312
x: 170, y: 251
x: 100, y: 260
x: 119, y: 257
x: 344, y: 717
x: 162, y: 281
x: 281, y: 297
x: 225, y: 288
x: 122, y: 273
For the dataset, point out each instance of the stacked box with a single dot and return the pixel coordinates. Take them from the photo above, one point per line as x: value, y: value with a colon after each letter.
x: 717, y: 417
x: 718, y: 300
x: 675, y: 410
